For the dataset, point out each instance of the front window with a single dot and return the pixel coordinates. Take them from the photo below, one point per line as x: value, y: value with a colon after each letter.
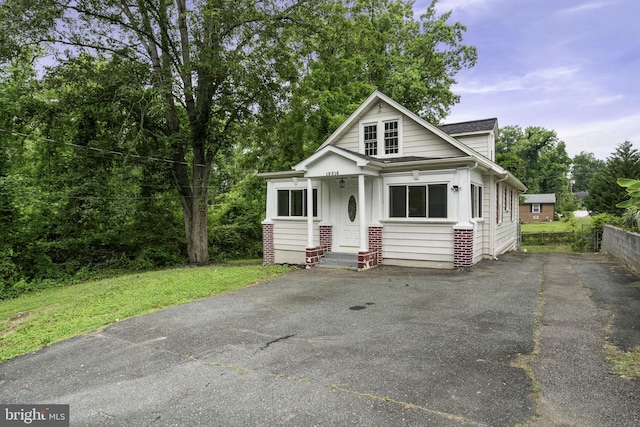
x: 294, y: 202
x: 535, y: 208
x: 418, y: 201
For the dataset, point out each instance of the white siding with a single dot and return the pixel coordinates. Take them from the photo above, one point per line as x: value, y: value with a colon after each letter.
x: 420, y: 142
x: 416, y: 140
x: 480, y: 143
x: 291, y: 235
x: 478, y: 241
x: 418, y: 242
x: 506, y: 237
x: 349, y: 140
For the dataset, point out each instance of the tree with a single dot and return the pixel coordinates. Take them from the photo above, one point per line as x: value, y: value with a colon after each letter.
x: 212, y: 64
x: 357, y: 47
x: 585, y: 167
x: 604, y: 191
x: 537, y: 158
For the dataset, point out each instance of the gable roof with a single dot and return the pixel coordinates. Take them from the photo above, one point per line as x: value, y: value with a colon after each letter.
x: 474, y: 126
x: 378, y: 96
x: 539, y: 198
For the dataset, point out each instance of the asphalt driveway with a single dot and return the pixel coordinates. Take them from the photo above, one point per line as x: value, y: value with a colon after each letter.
x: 389, y: 346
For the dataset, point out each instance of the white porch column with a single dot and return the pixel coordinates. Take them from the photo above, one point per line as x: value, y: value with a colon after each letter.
x: 364, y: 244
x: 310, y: 214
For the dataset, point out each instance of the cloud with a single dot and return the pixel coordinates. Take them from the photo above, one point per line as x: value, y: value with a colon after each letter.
x: 584, y: 7
x: 458, y: 4
x: 541, y: 79
x: 600, y: 137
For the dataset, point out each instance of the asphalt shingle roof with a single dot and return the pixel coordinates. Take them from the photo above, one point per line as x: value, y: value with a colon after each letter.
x: 468, y: 127
x: 539, y: 198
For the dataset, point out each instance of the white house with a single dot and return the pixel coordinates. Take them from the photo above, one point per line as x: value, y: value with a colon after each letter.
x: 387, y: 186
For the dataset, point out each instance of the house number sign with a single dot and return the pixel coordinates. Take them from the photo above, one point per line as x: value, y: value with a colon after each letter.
x: 333, y: 173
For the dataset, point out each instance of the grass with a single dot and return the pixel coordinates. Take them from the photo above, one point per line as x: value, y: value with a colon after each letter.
x: 547, y: 227
x: 33, y: 321
x: 626, y: 364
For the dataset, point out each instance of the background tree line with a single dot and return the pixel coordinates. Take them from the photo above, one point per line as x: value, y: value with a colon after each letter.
x: 539, y: 159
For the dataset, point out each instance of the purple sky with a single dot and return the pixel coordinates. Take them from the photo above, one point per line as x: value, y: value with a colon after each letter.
x: 568, y: 65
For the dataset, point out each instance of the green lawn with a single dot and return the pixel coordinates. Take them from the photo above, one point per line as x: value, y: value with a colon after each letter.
x: 33, y: 321
x: 551, y: 227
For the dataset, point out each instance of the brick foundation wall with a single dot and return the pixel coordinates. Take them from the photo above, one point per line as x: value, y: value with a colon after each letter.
x: 326, y: 237
x: 372, y: 257
x: 314, y: 255
x: 462, y: 248
x: 268, y: 249
x: 375, y: 242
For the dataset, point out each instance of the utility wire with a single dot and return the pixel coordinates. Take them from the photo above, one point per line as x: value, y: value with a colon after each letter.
x: 101, y: 150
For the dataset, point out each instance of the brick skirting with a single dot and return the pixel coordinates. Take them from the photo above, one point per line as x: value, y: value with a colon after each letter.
x: 326, y: 237
x: 463, y: 248
x: 268, y: 249
x: 372, y: 257
x: 314, y: 255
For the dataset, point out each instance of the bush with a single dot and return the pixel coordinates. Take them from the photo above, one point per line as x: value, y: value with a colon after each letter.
x: 235, y: 222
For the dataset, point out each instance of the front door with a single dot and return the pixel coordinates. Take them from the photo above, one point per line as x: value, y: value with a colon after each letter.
x: 349, y: 231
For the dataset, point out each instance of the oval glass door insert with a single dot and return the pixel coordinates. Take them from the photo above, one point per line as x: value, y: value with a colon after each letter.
x: 353, y: 208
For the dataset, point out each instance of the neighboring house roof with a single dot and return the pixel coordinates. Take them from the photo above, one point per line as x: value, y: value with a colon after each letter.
x: 539, y: 198
x: 485, y: 125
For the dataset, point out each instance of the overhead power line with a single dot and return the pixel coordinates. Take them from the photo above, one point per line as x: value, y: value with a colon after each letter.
x: 100, y: 150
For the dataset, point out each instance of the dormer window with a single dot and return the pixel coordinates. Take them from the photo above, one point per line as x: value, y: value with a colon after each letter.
x: 391, y: 145
x: 371, y: 140
x: 386, y: 131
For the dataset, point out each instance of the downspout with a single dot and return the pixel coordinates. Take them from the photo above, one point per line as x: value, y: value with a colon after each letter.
x: 473, y: 222
x: 493, y: 241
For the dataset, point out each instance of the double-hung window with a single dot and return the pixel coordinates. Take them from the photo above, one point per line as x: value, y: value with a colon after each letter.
x: 294, y: 202
x: 476, y: 201
x: 371, y: 140
x: 391, y: 142
x: 535, y: 208
x: 418, y: 201
x: 382, y: 137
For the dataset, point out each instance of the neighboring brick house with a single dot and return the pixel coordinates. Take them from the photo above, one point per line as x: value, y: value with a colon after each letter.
x: 387, y: 185
x: 538, y: 208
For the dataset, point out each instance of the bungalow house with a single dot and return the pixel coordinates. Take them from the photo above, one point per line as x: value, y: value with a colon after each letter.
x: 387, y: 186
x: 538, y: 208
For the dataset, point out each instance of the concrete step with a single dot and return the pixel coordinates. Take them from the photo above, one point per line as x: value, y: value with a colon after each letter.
x: 339, y: 260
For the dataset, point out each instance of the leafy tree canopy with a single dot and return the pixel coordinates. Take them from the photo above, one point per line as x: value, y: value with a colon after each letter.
x: 604, y: 192
x: 536, y: 157
x: 585, y: 167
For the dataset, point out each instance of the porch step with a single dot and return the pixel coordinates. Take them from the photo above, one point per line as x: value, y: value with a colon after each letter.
x: 339, y: 260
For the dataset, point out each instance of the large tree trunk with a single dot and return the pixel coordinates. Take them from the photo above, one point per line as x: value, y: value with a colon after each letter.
x: 193, y: 192
x: 195, y: 225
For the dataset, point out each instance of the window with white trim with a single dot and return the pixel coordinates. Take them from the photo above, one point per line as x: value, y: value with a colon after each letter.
x: 381, y: 138
x: 418, y: 201
x: 535, y: 208
x: 391, y: 141
x: 370, y: 133
x: 294, y: 203
x: 476, y: 201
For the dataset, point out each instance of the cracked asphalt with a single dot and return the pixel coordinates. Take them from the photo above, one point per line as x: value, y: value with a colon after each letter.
x: 519, y: 341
